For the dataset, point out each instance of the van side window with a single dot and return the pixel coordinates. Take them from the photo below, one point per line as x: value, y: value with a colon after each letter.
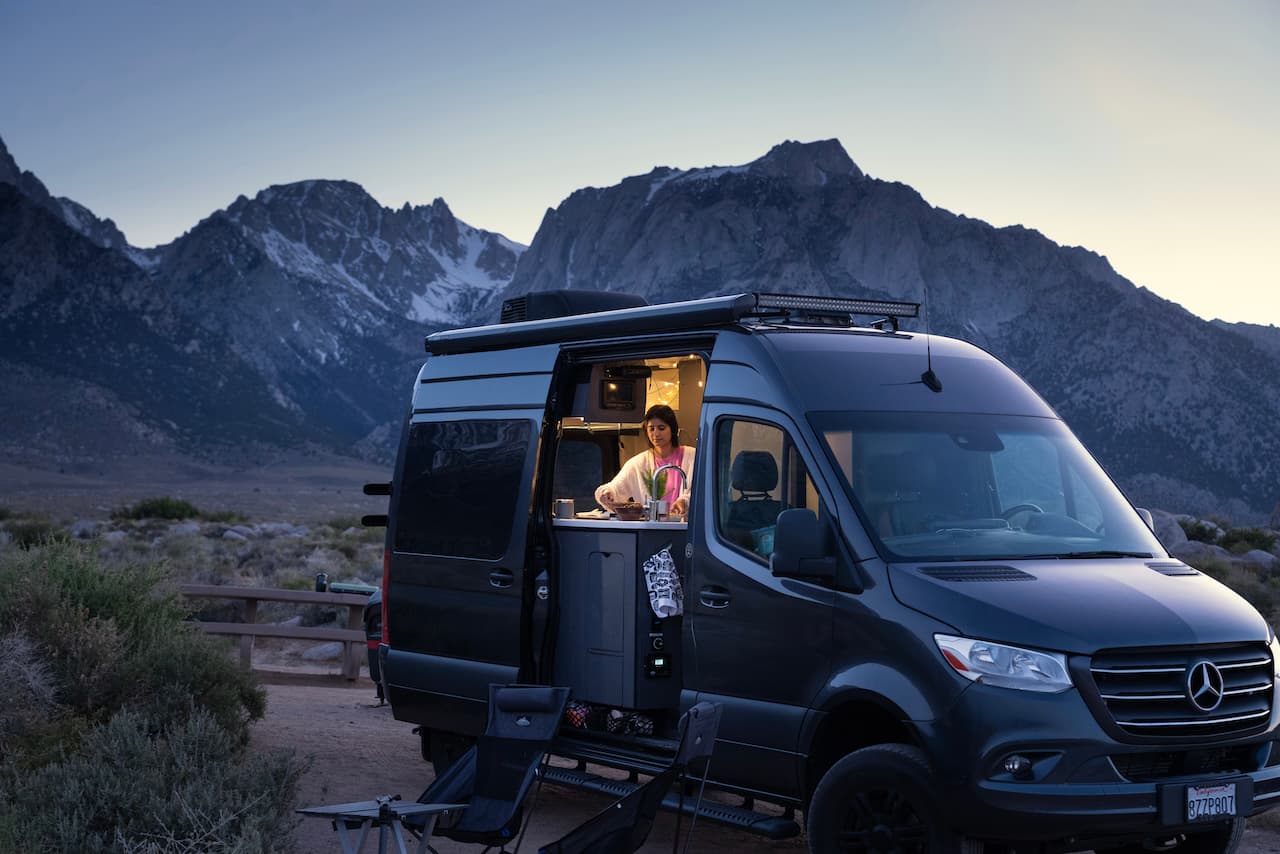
x: 758, y: 474
x: 454, y: 474
x: 580, y: 468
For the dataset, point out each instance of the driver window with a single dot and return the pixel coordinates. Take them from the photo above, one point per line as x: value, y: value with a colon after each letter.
x: 759, y: 473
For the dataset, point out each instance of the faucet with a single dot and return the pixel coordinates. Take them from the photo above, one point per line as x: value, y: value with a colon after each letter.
x: 684, y: 481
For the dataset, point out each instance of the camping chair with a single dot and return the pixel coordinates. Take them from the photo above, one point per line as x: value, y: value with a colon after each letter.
x: 624, y: 826
x: 496, y: 776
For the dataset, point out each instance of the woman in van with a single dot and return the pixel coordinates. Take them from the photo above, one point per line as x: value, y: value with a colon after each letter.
x: 632, y: 482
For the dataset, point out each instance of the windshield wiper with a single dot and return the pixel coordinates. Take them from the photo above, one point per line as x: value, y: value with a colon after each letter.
x: 1082, y: 555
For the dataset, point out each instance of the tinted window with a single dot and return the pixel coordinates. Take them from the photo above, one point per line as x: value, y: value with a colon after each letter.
x: 460, y: 485
x: 946, y: 486
x: 759, y: 474
x: 579, y: 470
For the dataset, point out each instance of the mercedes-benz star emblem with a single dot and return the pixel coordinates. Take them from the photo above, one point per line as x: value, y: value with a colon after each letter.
x: 1204, y: 686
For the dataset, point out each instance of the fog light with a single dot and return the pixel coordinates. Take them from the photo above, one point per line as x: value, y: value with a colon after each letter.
x: 1018, y: 766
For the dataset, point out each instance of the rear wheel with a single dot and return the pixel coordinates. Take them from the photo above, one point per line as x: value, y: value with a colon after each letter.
x: 879, y: 800
x: 1222, y: 839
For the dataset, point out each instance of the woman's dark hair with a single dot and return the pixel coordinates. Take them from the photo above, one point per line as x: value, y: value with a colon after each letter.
x: 666, y: 414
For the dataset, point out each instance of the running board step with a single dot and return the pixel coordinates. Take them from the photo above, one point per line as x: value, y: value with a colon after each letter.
x: 762, y: 824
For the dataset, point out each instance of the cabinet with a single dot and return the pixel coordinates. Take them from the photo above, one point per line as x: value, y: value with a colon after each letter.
x: 611, y: 649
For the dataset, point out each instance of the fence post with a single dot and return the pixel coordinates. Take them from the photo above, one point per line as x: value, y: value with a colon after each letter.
x: 246, y: 641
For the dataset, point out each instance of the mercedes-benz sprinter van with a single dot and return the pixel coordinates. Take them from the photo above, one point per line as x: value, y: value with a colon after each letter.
x: 932, y: 620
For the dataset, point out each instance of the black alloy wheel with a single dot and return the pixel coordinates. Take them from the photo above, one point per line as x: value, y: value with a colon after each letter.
x: 879, y: 800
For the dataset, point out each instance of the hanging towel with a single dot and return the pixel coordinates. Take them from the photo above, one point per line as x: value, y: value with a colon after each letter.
x: 666, y: 596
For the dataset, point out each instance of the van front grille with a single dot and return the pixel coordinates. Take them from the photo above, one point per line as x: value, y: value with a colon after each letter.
x: 1146, y: 767
x: 1189, y: 692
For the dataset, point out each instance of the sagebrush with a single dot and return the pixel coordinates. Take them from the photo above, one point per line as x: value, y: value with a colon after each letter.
x: 122, y: 726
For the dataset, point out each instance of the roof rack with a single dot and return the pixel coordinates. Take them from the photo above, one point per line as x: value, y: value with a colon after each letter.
x: 815, y: 309
x: 687, y: 316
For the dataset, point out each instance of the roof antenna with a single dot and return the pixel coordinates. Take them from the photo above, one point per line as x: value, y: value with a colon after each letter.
x: 929, y: 378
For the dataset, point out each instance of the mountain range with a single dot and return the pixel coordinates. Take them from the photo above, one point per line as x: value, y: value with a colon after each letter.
x: 295, y: 319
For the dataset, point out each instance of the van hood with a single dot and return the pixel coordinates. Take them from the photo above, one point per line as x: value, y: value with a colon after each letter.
x: 1079, y: 606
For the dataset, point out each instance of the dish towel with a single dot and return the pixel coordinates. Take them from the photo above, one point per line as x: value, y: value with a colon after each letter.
x: 666, y: 596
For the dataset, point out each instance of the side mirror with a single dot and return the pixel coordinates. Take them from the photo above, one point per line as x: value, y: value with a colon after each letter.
x: 802, y: 546
x: 1146, y: 517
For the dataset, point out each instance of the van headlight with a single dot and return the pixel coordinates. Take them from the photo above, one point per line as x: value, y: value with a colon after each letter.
x: 1005, y: 666
x: 1274, y: 645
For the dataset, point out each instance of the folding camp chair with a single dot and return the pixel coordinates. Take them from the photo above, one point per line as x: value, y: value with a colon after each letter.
x: 496, y: 776
x: 624, y: 826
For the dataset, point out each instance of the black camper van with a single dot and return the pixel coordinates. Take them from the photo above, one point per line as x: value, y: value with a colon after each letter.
x: 931, y: 619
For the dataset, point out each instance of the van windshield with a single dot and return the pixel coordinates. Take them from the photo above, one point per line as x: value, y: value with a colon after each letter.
x: 947, y: 486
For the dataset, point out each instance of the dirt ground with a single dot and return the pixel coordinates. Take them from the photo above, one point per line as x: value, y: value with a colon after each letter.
x: 289, y: 490
x: 359, y: 751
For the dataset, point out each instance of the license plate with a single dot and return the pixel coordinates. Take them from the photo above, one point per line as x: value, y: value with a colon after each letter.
x: 1205, y: 803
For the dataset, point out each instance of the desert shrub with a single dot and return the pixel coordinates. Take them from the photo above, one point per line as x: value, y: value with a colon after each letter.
x: 225, y: 517
x: 115, y: 637
x: 1213, y: 567
x: 138, y: 787
x: 27, y: 695
x: 1197, y: 530
x: 159, y: 508
x: 341, y: 523
x: 29, y: 533
x: 1241, y: 540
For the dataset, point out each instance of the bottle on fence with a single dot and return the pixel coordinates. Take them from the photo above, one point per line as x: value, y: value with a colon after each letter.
x: 322, y: 582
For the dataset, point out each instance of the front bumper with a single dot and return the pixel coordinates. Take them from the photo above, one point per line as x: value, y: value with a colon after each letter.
x: 1083, y: 783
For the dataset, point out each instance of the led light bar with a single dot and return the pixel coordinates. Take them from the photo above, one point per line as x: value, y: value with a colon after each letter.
x: 837, y: 305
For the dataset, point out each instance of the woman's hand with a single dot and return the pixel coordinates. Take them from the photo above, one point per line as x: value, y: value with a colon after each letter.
x: 679, y: 507
x: 606, y: 497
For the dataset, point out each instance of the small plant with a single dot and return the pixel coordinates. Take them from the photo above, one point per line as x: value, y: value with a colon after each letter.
x: 159, y: 508
x: 29, y: 533
x: 657, y: 486
x: 225, y: 517
x: 1200, y: 531
x: 137, y: 786
x: 1241, y: 540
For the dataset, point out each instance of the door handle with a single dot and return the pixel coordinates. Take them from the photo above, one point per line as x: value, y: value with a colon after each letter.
x: 714, y: 597
x: 501, y: 578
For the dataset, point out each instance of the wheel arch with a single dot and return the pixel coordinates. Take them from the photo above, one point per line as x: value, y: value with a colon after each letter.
x: 848, y: 722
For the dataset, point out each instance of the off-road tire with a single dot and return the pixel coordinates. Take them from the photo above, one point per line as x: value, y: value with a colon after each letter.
x: 879, y: 799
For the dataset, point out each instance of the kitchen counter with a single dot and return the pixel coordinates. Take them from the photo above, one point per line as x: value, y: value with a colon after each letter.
x: 619, y: 525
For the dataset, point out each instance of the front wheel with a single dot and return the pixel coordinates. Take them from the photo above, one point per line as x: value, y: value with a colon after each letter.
x: 879, y: 800
x: 1222, y: 839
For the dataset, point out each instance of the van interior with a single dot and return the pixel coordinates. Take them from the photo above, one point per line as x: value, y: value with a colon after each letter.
x: 603, y: 426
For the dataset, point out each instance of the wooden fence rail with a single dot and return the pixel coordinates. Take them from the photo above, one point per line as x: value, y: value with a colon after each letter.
x: 352, y: 637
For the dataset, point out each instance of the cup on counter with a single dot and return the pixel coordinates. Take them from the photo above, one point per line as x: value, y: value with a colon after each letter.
x: 563, y: 508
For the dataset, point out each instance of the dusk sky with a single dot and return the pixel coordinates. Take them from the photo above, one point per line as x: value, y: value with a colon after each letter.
x: 1146, y: 131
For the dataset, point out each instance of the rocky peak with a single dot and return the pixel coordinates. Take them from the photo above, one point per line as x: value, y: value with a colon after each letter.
x: 807, y: 163
x: 102, y: 232
x: 9, y: 172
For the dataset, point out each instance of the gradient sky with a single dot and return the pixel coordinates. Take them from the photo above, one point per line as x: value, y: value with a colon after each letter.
x: 1146, y: 131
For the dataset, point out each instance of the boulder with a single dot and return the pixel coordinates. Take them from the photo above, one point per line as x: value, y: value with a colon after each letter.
x: 1266, y: 560
x: 234, y: 535
x: 84, y: 529
x: 1168, y: 531
x: 184, y: 529
x: 115, y: 536
x: 324, y: 652
x: 1194, y: 551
